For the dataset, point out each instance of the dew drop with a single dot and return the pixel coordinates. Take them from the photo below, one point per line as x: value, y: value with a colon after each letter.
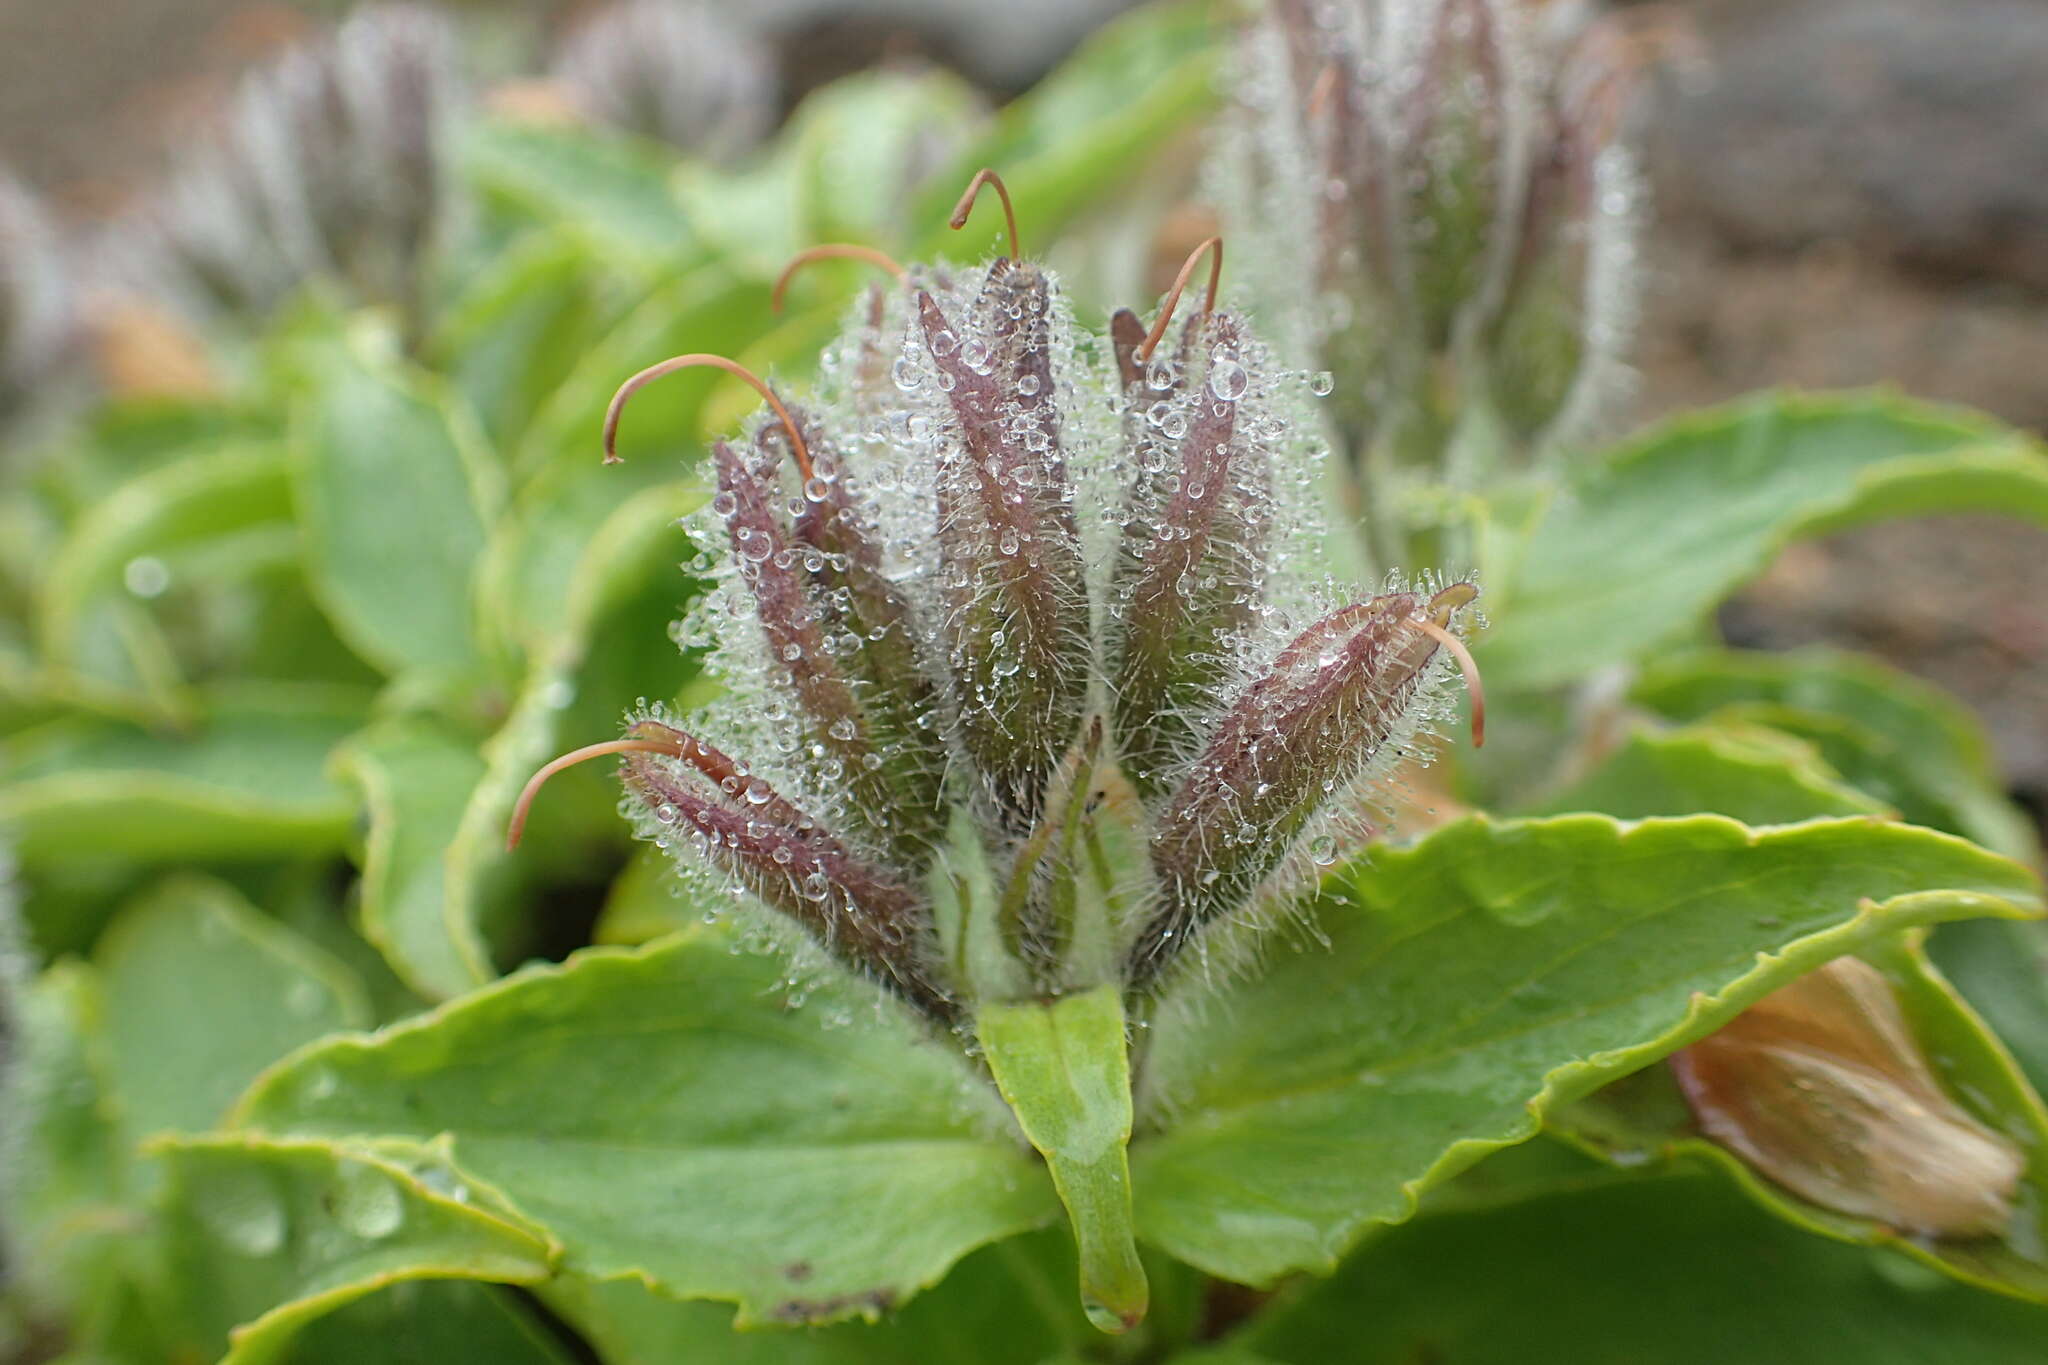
x: 240, y: 1207
x: 146, y: 576
x: 367, y: 1203
x: 304, y: 998
x: 1227, y: 379
x: 1321, y: 383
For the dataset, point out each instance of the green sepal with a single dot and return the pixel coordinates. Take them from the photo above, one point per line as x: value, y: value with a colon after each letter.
x: 1065, y: 1070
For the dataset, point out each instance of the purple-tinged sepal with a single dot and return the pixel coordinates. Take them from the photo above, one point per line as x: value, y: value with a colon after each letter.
x: 861, y: 913
x: 1334, y: 700
x: 1010, y: 563
x: 1191, y: 564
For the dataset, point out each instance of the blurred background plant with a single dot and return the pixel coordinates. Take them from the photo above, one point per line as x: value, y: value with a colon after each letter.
x: 307, y: 560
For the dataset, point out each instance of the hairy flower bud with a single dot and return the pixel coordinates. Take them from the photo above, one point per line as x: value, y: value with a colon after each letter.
x: 1192, y: 561
x: 860, y: 913
x: 673, y: 70
x: 1010, y: 553
x: 1473, y: 198
x: 1822, y: 1087
x: 1334, y: 698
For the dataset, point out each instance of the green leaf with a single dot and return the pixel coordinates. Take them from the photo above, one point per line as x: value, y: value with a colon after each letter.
x: 1645, y: 543
x: 65, y: 1178
x: 671, y: 1113
x: 2001, y: 967
x: 1646, y: 1117
x: 393, y: 496
x: 613, y: 191
x: 1899, y: 739
x: 1744, y: 772
x: 249, y: 781
x: 1007, y: 1304
x: 648, y: 901
x: 206, y: 501
x: 416, y: 781
x: 711, y: 308
x: 265, y: 1236
x: 864, y: 145
x: 1080, y: 135
x: 1680, y: 1272
x: 516, y: 332
x: 1064, y: 1070
x: 202, y: 992
x: 1474, y: 980
x: 429, y: 1322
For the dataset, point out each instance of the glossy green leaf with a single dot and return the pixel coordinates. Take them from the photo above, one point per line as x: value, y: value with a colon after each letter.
x: 1083, y: 132
x: 416, y: 781
x: 248, y: 781
x: 1680, y: 1272
x: 612, y: 190
x: 1007, y: 1304
x: 1064, y: 1069
x: 266, y: 1236
x: 1744, y: 772
x: 1645, y: 1117
x: 429, y: 1322
x: 394, y: 496
x: 202, y: 992
x: 1890, y: 734
x: 1477, y: 978
x: 671, y: 1113
x: 1642, y: 546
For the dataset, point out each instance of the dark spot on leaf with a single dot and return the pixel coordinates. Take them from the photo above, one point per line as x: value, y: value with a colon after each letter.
x: 797, y: 1270
x: 873, y: 1302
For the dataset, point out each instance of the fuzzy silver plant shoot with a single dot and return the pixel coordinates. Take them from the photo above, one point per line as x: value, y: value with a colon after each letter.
x: 1442, y: 212
x: 1032, y: 686
x: 1036, y: 698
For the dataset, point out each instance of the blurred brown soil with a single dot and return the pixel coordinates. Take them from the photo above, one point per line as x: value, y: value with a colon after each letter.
x: 1854, y: 192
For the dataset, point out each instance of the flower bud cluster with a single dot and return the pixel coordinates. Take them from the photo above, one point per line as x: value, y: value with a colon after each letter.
x: 1445, y: 208
x: 1033, y: 679
x: 330, y: 164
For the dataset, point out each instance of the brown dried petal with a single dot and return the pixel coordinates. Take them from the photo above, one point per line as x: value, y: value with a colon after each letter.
x: 1822, y: 1087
